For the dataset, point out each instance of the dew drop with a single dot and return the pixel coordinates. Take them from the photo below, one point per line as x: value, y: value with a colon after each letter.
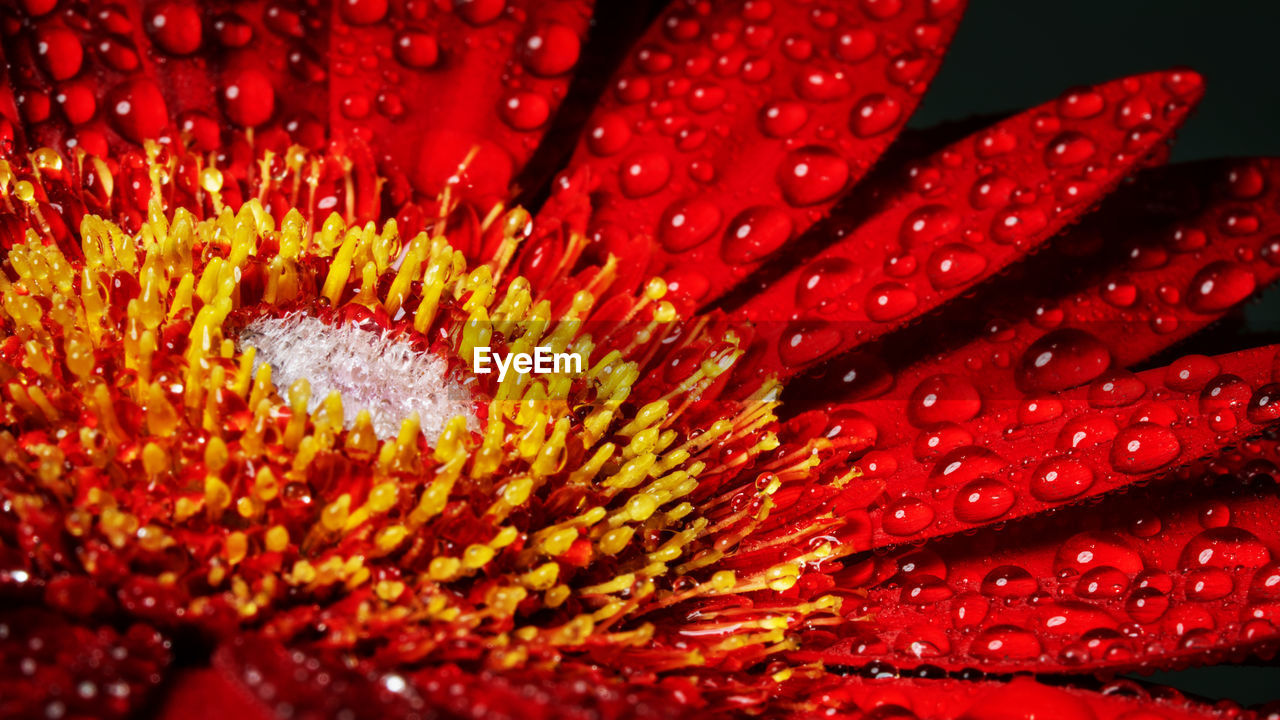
x: 175, y: 26
x: 907, y: 516
x: 805, y: 342
x: 362, y: 12
x: 136, y: 109
x: 416, y: 49
x: 811, y: 175
x: 1062, y: 359
x: 1059, y: 479
x: 890, y: 300
x: 1219, y: 285
x: 687, y: 223
x: 1144, y: 447
x: 1069, y: 148
x: 754, y: 234
x: 644, y: 173
x: 525, y: 110
x: 825, y: 280
x: 945, y: 397
x: 551, y: 49
x: 927, y: 224
x: 983, y: 499
x: 875, y: 114
x: 954, y: 265
x: 248, y: 97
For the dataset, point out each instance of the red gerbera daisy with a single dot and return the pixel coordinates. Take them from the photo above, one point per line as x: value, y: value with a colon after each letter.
x: 881, y: 452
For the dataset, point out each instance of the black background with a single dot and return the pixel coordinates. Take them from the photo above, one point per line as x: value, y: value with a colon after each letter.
x: 1012, y: 54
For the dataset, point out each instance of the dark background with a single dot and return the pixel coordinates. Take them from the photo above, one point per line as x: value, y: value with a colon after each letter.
x: 1011, y: 54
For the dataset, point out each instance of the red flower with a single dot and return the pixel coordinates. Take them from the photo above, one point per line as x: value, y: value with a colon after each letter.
x: 250, y: 249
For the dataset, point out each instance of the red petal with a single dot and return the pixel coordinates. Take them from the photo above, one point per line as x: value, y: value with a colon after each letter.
x: 11, y: 135
x: 1120, y: 429
x: 1173, y: 574
x: 83, y: 80
x: 50, y: 667
x: 207, y: 694
x: 110, y: 77
x: 970, y: 211
x: 733, y: 127
x: 485, y: 77
x: 255, y: 678
x: 1020, y: 699
x: 257, y: 65
x: 1179, y: 231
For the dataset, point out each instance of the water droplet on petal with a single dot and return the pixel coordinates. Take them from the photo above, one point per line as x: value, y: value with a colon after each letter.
x: 248, y: 97
x: 1069, y: 148
x: 890, y: 300
x: 644, y: 173
x: 983, y: 500
x: 525, y: 110
x: 362, y: 12
x: 687, y: 223
x: 1191, y: 373
x: 416, y: 49
x: 1062, y: 359
x: 927, y: 224
x: 551, y: 49
x: 825, y: 280
x: 479, y: 12
x: 1102, y: 582
x: 1059, y: 479
x: 994, y: 142
x: 1209, y: 584
x: 945, y: 397
x: 59, y: 51
x: 783, y: 118
x: 1219, y: 285
x: 1143, y: 447
x: 875, y: 114
x: 1116, y: 390
x: 1086, y: 431
x: 175, y: 26
x: 812, y: 175
x: 755, y: 233
x: 806, y: 342
x: 1006, y: 642
x: 1226, y: 548
x: 991, y: 190
x: 1264, y: 405
x: 954, y: 265
x: 137, y: 110
x: 854, y: 45
x: 1080, y: 104
x: 907, y: 516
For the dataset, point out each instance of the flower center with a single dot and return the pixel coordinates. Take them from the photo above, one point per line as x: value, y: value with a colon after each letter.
x: 370, y: 370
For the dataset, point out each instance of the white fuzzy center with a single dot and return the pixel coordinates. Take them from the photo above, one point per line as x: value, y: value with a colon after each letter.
x: 373, y: 372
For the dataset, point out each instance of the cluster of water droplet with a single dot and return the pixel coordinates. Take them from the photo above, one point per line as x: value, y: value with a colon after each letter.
x: 731, y: 129
x: 967, y: 212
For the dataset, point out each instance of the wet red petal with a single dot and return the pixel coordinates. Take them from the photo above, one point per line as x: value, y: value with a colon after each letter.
x: 1170, y: 575
x: 969, y: 211
x: 258, y: 65
x: 82, y: 78
x: 731, y: 129
x: 11, y: 133
x: 1019, y: 699
x: 1122, y: 428
x: 431, y: 91
x: 254, y: 677
x: 52, y: 668
x: 1195, y: 240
